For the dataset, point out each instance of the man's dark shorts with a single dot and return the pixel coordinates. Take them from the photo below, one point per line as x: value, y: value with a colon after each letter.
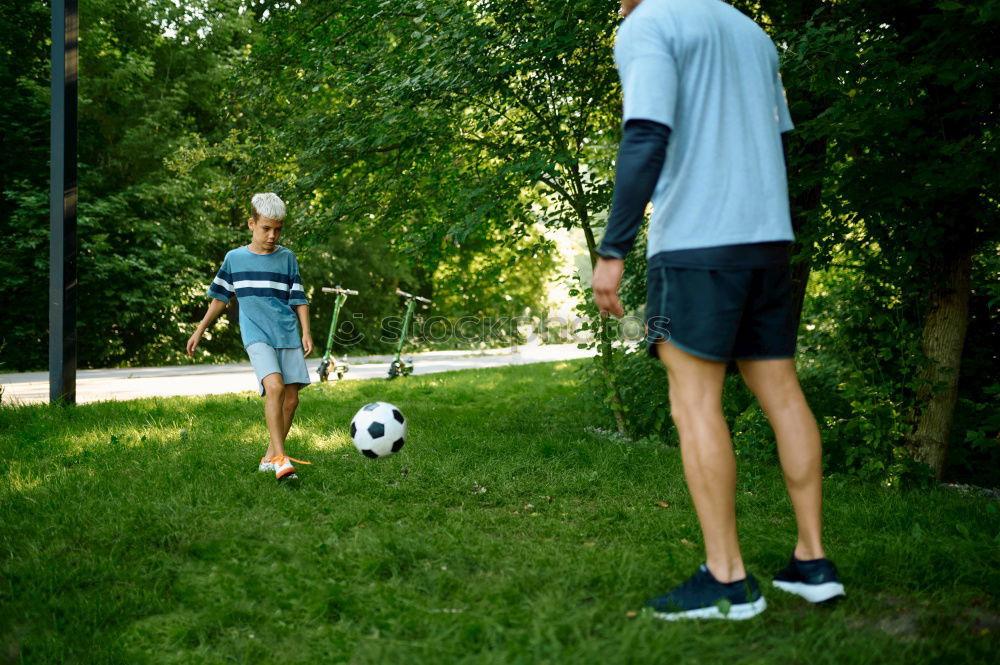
x: 721, y: 314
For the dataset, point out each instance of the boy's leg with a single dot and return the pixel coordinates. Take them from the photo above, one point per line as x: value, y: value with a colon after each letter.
x: 275, y: 392
x: 707, y: 453
x: 291, y: 403
x: 776, y: 386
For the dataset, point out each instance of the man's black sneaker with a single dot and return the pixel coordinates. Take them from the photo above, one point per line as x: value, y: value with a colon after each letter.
x: 704, y: 597
x: 815, y: 580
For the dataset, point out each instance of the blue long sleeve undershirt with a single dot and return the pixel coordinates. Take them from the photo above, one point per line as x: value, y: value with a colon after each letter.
x: 641, y: 155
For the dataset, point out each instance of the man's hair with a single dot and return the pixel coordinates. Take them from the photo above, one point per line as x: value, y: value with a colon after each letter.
x: 268, y: 205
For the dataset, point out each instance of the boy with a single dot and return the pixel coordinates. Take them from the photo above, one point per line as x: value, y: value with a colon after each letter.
x: 265, y: 277
x: 704, y: 111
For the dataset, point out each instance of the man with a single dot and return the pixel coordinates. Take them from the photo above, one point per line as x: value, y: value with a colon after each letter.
x: 704, y: 113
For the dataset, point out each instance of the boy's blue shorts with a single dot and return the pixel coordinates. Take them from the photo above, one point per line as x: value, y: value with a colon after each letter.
x: 723, y: 314
x: 289, y: 363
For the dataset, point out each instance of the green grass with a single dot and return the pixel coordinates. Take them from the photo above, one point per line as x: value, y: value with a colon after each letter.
x: 138, y: 532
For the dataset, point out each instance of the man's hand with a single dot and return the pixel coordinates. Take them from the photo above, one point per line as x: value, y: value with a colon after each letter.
x: 307, y: 345
x: 607, y: 277
x: 193, y: 342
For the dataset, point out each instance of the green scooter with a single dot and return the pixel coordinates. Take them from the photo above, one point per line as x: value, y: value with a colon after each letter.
x: 398, y: 367
x: 330, y: 365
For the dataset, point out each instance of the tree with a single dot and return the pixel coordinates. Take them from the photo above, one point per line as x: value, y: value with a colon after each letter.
x: 913, y: 139
x: 150, y: 75
x: 446, y: 117
x: 24, y: 153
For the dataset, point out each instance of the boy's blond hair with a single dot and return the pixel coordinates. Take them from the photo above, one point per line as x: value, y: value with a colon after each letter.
x: 268, y: 205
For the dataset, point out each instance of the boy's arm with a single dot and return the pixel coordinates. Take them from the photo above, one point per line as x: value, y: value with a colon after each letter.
x: 215, y: 308
x: 302, y: 311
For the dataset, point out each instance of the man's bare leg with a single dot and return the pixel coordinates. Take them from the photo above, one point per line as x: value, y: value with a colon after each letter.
x: 776, y: 385
x: 707, y: 453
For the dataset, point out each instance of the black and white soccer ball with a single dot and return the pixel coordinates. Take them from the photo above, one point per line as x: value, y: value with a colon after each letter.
x: 378, y: 429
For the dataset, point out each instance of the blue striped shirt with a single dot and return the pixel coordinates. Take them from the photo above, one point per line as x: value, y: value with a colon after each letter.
x: 268, y: 287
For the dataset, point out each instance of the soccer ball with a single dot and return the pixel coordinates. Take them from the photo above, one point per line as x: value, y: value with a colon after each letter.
x: 378, y: 429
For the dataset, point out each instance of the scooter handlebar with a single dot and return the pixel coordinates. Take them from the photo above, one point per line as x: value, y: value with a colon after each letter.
x: 400, y: 292
x: 330, y: 289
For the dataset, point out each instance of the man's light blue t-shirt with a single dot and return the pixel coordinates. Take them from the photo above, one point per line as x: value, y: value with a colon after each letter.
x: 710, y: 74
x: 268, y: 286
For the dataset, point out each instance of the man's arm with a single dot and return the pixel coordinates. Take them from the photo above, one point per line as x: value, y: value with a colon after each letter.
x: 640, y: 161
x: 302, y: 311
x: 215, y: 308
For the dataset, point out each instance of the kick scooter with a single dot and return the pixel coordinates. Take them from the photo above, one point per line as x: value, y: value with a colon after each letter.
x: 398, y: 367
x: 329, y: 365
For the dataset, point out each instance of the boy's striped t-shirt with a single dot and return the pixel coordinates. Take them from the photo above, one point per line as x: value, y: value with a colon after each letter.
x: 267, y: 286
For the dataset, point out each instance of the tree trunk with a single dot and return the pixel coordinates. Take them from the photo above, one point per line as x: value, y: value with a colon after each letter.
x: 942, y: 342
x: 617, y: 407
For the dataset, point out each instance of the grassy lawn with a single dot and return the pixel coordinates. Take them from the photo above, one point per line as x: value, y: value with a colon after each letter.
x: 508, y: 530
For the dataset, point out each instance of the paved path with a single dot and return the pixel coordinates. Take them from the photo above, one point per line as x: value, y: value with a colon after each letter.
x: 97, y: 385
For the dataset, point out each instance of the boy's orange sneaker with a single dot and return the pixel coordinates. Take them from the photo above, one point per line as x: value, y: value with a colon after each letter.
x: 283, y: 469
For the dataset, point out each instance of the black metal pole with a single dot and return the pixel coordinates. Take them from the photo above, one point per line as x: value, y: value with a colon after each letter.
x: 63, y: 195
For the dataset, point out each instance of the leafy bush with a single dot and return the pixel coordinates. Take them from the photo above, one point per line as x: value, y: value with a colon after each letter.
x: 975, y: 445
x: 860, y: 354
x: 858, y: 360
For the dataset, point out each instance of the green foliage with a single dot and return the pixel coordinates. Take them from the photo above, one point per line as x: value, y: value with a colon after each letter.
x: 354, y: 263
x: 175, y: 134
x: 908, y: 184
x: 507, y: 530
x: 642, y: 384
x: 149, y: 239
x: 421, y: 143
x: 975, y: 453
x: 371, y: 151
x: 891, y: 173
x: 440, y: 119
x: 24, y: 129
x: 975, y: 444
x: 859, y: 358
x: 492, y: 278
